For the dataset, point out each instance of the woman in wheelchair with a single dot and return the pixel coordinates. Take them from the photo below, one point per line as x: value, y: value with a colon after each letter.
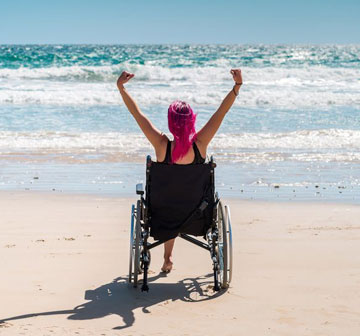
x: 188, y: 146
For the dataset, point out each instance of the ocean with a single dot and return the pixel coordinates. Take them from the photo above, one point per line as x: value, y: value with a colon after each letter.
x: 292, y: 134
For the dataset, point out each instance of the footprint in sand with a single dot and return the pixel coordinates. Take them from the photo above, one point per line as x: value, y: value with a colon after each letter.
x: 5, y: 325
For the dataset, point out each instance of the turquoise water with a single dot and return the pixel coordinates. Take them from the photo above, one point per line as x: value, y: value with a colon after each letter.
x: 295, y: 125
x: 172, y: 56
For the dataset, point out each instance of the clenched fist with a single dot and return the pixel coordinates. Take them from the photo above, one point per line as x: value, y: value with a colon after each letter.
x: 236, y: 73
x: 124, y: 78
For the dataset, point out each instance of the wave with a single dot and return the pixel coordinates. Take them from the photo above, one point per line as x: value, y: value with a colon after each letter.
x: 153, y: 85
x: 70, y: 73
x: 328, y: 139
x: 270, y: 87
x: 332, y: 145
x: 219, y: 73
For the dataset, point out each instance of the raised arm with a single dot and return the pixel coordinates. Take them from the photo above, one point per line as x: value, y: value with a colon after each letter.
x: 205, y: 135
x: 151, y: 132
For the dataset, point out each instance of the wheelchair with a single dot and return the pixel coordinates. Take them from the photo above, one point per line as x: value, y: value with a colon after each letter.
x: 180, y: 201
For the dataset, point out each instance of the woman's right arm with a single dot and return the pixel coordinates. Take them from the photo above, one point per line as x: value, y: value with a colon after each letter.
x: 205, y: 135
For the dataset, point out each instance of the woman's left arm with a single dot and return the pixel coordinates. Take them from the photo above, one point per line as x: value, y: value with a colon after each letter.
x: 151, y: 132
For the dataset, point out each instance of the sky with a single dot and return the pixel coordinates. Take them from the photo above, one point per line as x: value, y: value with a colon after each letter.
x: 186, y: 21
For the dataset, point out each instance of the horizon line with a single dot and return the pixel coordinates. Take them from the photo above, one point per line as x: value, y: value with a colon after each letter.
x: 192, y: 43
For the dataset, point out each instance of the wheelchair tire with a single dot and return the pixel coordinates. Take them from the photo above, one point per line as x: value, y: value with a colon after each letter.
x: 132, y: 251
x: 137, y: 268
x: 229, y: 243
x: 135, y: 241
x: 222, y: 248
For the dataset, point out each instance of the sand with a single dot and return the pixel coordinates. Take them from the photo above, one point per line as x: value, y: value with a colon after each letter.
x: 64, y: 263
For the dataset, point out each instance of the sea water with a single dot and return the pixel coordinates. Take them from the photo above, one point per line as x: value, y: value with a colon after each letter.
x: 293, y: 132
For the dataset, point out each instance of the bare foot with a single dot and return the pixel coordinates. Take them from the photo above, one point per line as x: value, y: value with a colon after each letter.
x: 167, y: 266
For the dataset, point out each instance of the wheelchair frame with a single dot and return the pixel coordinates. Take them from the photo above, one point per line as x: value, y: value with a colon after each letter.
x: 218, y: 237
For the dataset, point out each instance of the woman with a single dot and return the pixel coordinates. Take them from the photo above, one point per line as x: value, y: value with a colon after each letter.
x: 188, y: 146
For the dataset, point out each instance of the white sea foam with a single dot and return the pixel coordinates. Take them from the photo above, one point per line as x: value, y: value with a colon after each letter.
x: 71, y: 73
x: 317, y: 75
x: 304, y: 139
x: 318, y: 145
x: 314, y: 86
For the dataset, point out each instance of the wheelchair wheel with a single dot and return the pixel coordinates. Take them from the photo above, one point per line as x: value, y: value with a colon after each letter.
x: 223, y: 248
x: 135, y: 233
x: 131, y: 243
x: 229, y: 245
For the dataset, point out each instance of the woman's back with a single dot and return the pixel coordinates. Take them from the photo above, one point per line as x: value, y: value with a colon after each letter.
x: 195, y: 154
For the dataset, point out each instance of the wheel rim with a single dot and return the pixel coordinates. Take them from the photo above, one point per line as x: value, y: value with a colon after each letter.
x: 222, y: 248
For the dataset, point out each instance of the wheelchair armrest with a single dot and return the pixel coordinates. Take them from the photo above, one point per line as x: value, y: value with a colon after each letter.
x: 139, y: 189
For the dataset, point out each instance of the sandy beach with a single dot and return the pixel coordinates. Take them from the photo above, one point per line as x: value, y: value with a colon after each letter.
x: 64, y: 263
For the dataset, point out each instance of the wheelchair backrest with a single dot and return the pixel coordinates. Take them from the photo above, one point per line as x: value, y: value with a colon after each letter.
x: 174, y: 191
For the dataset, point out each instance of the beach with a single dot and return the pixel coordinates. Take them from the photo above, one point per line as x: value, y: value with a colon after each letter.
x: 288, y: 163
x: 64, y: 262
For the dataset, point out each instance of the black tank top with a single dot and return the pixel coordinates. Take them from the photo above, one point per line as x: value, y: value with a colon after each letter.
x: 198, y: 159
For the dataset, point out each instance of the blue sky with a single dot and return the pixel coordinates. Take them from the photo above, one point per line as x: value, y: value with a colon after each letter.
x: 172, y: 21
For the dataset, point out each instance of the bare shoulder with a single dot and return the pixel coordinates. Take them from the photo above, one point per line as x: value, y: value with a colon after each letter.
x: 202, y: 147
x: 160, y: 149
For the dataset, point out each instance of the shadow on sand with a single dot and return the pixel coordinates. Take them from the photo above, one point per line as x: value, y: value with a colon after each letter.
x: 120, y: 298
